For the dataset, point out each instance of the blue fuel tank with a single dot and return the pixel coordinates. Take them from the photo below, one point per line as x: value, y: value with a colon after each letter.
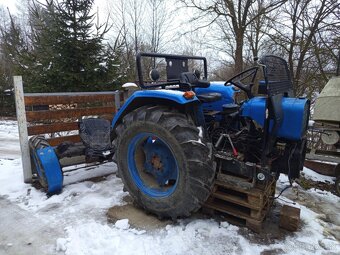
x: 295, y: 115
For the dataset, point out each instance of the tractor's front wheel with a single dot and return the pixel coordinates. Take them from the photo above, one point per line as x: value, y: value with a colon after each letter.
x: 163, y: 162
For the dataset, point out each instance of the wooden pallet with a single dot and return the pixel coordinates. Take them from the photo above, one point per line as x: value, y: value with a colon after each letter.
x: 247, y: 207
x: 255, y: 225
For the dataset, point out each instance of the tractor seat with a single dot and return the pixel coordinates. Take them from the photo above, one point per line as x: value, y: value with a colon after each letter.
x: 209, y: 97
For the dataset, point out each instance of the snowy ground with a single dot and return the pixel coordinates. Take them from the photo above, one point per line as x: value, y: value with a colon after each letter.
x: 75, y: 221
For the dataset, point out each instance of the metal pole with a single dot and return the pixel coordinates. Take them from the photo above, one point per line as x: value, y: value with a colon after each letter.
x: 22, y: 126
x: 338, y: 67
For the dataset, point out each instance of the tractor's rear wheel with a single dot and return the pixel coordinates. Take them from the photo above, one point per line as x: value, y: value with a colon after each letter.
x: 163, y: 162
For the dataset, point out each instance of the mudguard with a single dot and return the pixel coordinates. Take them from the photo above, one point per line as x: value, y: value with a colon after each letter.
x: 142, y: 97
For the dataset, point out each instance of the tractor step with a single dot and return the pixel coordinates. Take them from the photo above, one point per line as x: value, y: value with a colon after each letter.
x: 239, y: 205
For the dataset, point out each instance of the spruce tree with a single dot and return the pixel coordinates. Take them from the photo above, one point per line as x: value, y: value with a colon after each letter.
x: 69, y: 50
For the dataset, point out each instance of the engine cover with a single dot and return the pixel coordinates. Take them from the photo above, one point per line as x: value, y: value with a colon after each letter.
x: 227, y: 93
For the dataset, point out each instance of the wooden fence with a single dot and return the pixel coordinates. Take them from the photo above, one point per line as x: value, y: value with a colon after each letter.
x: 57, y: 115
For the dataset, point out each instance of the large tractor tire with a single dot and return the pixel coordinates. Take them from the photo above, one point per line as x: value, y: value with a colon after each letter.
x: 163, y: 162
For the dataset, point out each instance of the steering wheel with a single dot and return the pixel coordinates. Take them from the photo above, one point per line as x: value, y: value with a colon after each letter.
x: 238, y: 79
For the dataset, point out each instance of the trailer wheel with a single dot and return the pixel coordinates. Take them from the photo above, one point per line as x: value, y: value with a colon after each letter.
x: 163, y: 162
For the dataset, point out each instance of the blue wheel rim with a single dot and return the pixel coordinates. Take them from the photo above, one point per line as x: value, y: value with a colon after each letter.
x: 152, y: 165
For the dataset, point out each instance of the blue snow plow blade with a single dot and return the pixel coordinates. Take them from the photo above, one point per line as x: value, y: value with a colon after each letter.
x: 170, y: 95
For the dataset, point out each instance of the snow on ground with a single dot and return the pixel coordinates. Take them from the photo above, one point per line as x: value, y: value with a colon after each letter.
x: 9, y: 148
x: 78, y: 222
x: 314, y: 176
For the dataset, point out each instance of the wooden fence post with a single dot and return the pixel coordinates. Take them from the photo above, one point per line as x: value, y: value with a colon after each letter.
x: 22, y: 126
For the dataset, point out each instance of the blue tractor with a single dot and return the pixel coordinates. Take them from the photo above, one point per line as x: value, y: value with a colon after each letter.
x: 176, y: 135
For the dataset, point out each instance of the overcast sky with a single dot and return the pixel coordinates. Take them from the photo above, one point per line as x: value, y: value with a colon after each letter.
x: 9, y: 3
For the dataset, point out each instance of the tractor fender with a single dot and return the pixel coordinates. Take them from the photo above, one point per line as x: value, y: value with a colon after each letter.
x: 139, y: 98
